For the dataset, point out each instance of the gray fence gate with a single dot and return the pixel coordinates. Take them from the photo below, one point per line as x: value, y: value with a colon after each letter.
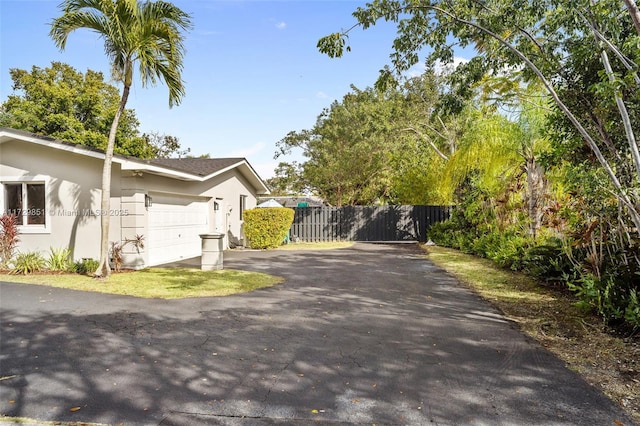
x: 366, y: 223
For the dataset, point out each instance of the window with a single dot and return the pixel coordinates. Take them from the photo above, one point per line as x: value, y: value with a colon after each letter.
x: 26, y: 201
x: 243, y: 205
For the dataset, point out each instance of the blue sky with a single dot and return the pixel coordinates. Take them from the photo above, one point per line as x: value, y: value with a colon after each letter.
x: 252, y: 69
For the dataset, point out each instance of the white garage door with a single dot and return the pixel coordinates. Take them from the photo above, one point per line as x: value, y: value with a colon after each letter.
x: 175, y: 225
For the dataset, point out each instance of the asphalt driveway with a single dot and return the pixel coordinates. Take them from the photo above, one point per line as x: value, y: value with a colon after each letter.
x: 373, y: 334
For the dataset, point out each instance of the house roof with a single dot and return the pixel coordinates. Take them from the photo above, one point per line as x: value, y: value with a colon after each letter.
x: 295, y: 200
x: 197, y: 166
x: 188, y: 169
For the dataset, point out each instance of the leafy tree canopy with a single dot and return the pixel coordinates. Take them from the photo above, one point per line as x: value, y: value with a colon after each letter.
x: 61, y: 102
x: 397, y: 147
x: 584, y: 53
x: 348, y: 150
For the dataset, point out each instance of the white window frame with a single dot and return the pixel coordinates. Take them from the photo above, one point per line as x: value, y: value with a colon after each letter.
x: 243, y: 206
x: 25, y: 180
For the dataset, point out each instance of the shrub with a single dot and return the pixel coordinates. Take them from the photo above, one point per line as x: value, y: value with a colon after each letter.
x: 632, y: 311
x: 548, y: 260
x: 509, y: 252
x: 450, y: 234
x: 86, y: 266
x: 8, y: 238
x: 267, y: 227
x: 26, y: 263
x: 60, y: 260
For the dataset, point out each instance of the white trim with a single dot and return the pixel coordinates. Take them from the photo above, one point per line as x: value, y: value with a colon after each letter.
x: 134, y: 165
x: 29, y: 229
x: 6, y: 135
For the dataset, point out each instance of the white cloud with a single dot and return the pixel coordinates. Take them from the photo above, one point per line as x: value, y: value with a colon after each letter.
x: 416, y: 70
x: 265, y: 170
x: 419, y: 69
x: 321, y: 95
x: 246, y: 152
x: 457, y: 60
x: 281, y: 25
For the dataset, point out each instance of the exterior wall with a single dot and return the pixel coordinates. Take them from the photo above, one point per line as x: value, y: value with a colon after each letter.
x: 72, y: 186
x: 224, y: 190
x: 133, y: 220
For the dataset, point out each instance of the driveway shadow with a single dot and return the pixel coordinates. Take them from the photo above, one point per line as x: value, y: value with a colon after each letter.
x: 370, y: 334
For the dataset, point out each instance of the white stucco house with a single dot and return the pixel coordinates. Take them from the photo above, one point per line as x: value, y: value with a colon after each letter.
x: 55, y: 188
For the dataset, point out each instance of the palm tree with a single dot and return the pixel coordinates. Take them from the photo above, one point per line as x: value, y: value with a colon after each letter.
x: 147, y: 34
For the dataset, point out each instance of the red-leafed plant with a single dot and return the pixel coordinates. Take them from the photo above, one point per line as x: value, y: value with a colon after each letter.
x: 8, y: 238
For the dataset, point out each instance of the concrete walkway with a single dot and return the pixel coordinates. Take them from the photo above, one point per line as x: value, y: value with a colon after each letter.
x: 373, y: 334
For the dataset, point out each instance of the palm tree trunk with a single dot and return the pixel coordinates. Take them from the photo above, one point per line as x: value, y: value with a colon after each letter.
x: 535, y: 189
x: 104, y: 270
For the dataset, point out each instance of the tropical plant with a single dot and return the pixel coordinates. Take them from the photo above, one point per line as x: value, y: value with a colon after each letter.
x: 147, y: 34
x: 86, y: 266
x: 582, y: 52
x: 59, y: 260
x: 116, y: 249
x: 8, y: 238
x: 26, y: 263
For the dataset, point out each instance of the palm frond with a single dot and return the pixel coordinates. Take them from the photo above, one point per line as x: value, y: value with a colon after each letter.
x: 149, y: 33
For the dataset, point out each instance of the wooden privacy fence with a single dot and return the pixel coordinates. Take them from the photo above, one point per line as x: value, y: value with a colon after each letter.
x: 366, y: 223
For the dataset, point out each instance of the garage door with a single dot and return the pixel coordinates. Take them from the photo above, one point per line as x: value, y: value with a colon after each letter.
x: 175, y: 225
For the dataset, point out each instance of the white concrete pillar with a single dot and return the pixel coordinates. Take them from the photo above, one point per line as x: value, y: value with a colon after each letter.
x: 212, y: 251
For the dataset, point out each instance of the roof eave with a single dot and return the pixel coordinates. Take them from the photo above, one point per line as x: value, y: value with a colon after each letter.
x: 143, y: 167
x: 135, y: 165
x: 248, y: 172
x: 6, y: 135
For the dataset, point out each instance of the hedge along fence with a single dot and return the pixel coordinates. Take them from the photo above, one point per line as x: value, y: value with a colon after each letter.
x: 267, y: 227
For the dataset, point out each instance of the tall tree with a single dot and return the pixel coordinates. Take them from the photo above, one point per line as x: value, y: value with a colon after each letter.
x: 429, y: 137
x: 582, y: 52
x: 288, y: 180
x: 147, y: 34
x: 165, y: 146
x: 348, y: 150
x: 61, y: 102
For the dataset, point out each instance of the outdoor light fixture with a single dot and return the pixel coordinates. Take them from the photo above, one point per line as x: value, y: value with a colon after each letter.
x: 148, y: 201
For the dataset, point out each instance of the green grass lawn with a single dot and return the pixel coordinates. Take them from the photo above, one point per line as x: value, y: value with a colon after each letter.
x: 169, y: 283
x: 163, y: 283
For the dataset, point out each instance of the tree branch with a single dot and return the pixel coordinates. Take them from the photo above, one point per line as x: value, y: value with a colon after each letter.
x: 621, y: 194
x: 428, y: 139
x: 634, y: 12
x: 622, y: 108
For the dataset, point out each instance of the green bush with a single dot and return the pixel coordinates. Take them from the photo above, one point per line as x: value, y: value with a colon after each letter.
x: 613, y: 300
x: 26, y: 263
x: 547, y: 260
x: 267, y: 227
x: 86, y: 266
x: 60, y: 260
x: 509, y: 251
